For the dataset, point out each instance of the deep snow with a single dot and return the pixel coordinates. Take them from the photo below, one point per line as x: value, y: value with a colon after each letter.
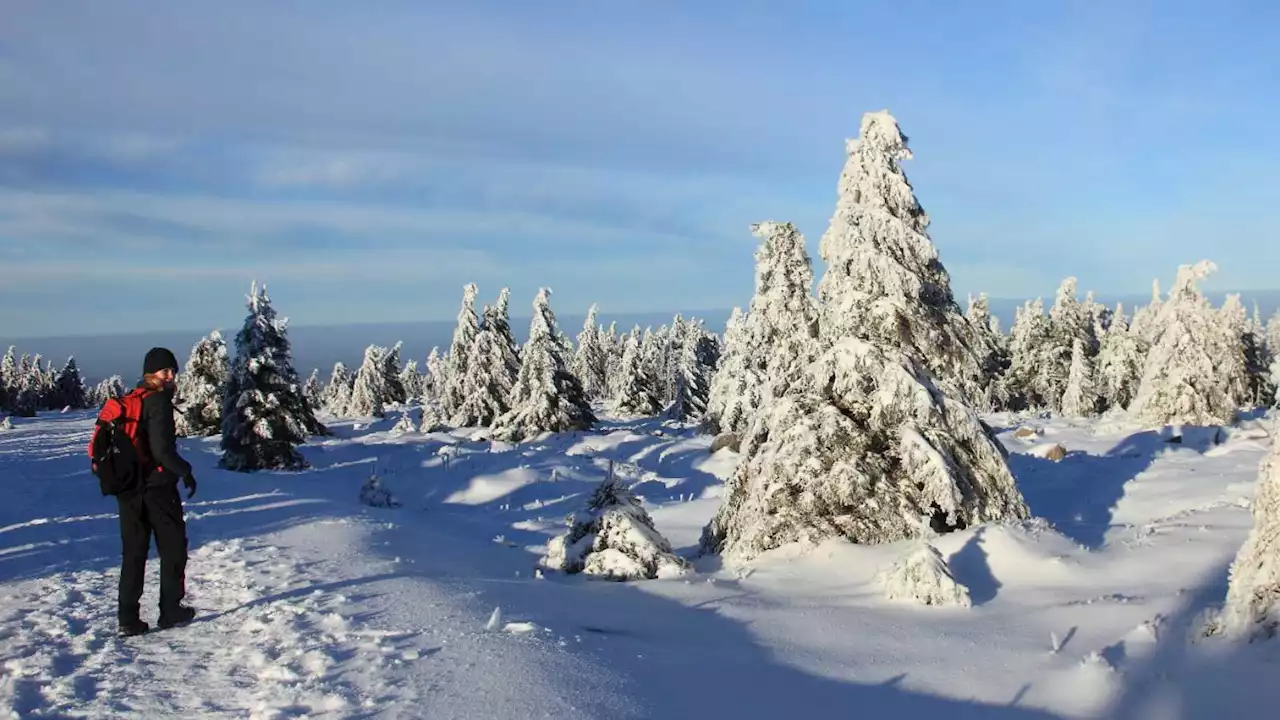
x: 314, y: 603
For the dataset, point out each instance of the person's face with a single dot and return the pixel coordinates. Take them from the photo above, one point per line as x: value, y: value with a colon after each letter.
x: 167, y: 377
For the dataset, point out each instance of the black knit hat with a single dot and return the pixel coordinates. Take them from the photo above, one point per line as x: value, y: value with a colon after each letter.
x: 159, y: 359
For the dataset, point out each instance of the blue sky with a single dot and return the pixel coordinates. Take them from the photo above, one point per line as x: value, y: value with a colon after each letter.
x: 368, y: 159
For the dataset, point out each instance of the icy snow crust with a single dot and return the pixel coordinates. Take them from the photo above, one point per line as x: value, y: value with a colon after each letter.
x: 314, y: 603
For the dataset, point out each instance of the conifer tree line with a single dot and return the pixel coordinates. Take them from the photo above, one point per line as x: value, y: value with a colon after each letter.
x: 30, y: 384
x: 549, y: 384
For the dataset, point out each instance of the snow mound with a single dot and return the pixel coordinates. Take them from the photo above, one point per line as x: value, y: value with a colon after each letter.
x: 374, y: 494
x: 6, y: 424
x: 614, y: 539
x: 922, y: 575
x: 487, y: 488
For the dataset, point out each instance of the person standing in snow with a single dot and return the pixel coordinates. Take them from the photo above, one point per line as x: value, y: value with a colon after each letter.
x: 155, y: 507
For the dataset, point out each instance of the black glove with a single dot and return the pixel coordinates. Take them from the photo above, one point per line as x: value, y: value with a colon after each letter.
x: 189, y: 482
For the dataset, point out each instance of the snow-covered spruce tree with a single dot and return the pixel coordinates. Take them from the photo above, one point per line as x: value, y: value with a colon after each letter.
x: 112, y: 387
x: 1252, y: 609
x: 995, y: 356
x: 1068, y: 322
x: 26, y: 395
x: 861, y: 447
x: 69, y: 387
x: 313, y: 391
x: 884, y: 282
x: 636, y: 391
x: 493, y: 373
x: 500, y: 321
x: 8, y: 379
x: 733, y: 396
x: 264, y: 414
x: 1081, y: 398
x: 369, y: 392
x: 1273, y: 334
x: 1145, y: 326
x: 1119, y: 363
x: 693, y: 370
x: 1233, y: 362
x: 864, y: 443
x: 411, y: 381
x: 201, y: 386
x: 1100, y: 316
x: 393, y: 390
x: 782, y: 321
x: 614, y: 539
x: 374, y: 494
x: 1029, y: 338
x: 433, y: 381
x: 1180, y: 382
x: 547, y: 396
x: 453, y: 387
x: 337, y: 392
x: 1258, y: 359
x: 591, y: 361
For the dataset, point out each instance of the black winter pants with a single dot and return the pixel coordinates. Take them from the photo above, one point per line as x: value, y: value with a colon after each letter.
x: 153, y: 510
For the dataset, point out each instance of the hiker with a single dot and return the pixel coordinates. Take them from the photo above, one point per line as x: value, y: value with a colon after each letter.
x: 154, y: 507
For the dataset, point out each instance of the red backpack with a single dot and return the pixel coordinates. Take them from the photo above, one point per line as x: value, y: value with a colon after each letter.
x: 119, y: 457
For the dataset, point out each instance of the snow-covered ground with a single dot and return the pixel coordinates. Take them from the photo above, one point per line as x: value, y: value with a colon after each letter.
x: 314, y: 604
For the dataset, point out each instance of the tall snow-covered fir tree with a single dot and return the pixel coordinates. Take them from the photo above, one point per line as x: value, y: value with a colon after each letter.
x: 1068, y: 321
x: 411, y: 380
x: 591, y: 360
x: 693, y: 371
x: 393, y: 390
x: 782, y: 321
x: 1233, y: 361
x: 433, y: 380
x: 636, y: 392
x: 1252, y: 609
x: 1121, y: 357
x: 1145, y: 326
x: 313, y: 391
x: 547, y: 396
x: 492, y: 375
x: 1081, y: 398
x: 369, y: 391
x: 200, y: 388
x: 1258, y: 359
x: 337, y: 392
x: 865, y: 443
x: 884, y: 282
x: 1180, y: 377
x: 1029, y: 338
x: 733, y: 396
x: 69, y: 387
x: 8, y: 379
x: 264, y: 415
x: 995, y: 356
x: 453, y: 388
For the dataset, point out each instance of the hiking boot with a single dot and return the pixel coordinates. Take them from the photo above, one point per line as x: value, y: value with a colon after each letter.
x: 129, y: 628
x: 180, y: 615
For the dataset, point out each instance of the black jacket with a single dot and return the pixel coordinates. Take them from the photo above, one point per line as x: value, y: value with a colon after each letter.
x: 157, y: 423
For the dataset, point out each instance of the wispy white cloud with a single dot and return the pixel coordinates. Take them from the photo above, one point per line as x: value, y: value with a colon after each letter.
x: 22, y: 139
